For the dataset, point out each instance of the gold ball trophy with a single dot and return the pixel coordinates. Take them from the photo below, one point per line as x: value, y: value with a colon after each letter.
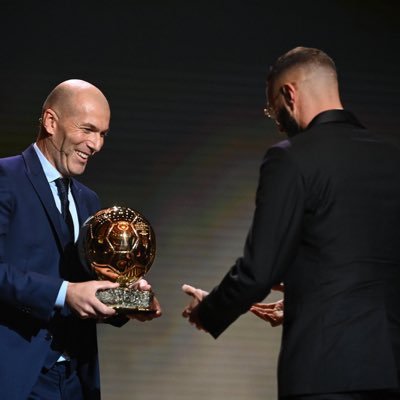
x: 118, y: 244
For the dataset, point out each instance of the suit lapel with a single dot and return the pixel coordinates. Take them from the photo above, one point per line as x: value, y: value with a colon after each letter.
x: 35, y: 174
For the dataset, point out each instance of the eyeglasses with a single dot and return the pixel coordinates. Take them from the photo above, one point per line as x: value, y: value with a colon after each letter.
x: 269, y: 111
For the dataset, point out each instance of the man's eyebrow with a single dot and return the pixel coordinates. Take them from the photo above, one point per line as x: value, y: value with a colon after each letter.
x: 88, y: 125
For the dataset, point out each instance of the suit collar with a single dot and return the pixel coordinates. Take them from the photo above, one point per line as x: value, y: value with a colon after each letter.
x: 35, y: 174
x: 49, y: 170
x: 335, y: 116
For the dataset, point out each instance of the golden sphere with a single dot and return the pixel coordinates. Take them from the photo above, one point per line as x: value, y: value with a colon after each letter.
x: 118, y: 244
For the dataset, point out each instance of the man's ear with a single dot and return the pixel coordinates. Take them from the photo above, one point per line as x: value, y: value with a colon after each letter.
x: 289, y: 94
x: 49, y: 121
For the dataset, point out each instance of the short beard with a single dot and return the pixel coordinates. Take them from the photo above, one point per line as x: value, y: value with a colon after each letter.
x: 288, y: 123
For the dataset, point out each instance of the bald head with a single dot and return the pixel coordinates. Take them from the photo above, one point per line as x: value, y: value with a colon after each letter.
x: 70, y: 96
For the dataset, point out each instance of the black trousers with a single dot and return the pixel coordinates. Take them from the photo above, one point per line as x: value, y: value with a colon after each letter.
x: 366, y: 395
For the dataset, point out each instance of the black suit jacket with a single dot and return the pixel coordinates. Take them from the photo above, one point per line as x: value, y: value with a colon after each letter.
x: 327, y: 225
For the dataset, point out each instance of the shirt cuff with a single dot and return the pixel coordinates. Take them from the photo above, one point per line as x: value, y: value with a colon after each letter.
x: 60, y: 300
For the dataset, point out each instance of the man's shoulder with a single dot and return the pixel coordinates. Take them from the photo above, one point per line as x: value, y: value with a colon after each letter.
x: 11, y: 161
x: 287, y: 148
x: 306, y: 148
x: 12, y: 165
x: 318, y: 138
x: 28, y: 156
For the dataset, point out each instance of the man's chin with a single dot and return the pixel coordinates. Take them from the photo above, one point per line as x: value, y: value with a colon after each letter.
x: 76, y: 170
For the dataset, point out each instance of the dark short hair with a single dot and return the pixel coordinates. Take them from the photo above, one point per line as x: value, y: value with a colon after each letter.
x: 300, y: 56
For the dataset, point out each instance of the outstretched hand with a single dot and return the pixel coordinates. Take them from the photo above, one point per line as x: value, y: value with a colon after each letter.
x: 270, y: 312
x: 190, y: 311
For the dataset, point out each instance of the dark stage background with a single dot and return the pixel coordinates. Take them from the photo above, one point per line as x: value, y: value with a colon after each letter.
x: 185, y: 82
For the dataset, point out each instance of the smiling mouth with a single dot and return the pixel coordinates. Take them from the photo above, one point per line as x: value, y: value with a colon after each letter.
x: 82, y: 155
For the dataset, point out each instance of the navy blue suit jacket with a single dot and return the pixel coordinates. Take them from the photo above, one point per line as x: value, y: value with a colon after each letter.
x: 35, y: 257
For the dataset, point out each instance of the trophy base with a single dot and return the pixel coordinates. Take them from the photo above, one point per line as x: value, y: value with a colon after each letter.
x: 127, y: 301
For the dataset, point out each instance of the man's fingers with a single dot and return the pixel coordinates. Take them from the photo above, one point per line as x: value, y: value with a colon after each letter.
x: 95, y: 310
x: 262, y: 306
x: 265, y: 316
x: 274, y: 317
x: 142, y: 284
x: 102, y: 285
x: 259, y: 313
x: 186, y: 312
x: 155, y: 312
x: 81, y: 298
x: 190, y: 290
x: 198, y: 294
x: 157, y: 307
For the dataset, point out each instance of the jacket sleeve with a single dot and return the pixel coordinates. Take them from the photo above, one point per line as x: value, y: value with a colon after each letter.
x: 27, y: 291
x: 270, y: 246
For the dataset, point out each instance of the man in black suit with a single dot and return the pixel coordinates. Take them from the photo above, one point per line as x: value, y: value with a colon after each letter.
x: 327, y: 226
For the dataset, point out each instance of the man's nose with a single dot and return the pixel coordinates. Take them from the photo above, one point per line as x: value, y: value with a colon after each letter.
x: 96, y: 143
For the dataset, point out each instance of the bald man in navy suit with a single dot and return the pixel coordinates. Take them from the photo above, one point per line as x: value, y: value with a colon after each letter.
x: 48, y: 307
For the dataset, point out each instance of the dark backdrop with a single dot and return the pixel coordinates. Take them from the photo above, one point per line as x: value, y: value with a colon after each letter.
x: 185, y: 82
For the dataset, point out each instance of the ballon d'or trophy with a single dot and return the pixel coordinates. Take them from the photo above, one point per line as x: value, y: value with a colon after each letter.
x: 118, y: 244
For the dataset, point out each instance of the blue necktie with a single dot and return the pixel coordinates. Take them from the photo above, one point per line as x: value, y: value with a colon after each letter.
x: 62, y: 187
